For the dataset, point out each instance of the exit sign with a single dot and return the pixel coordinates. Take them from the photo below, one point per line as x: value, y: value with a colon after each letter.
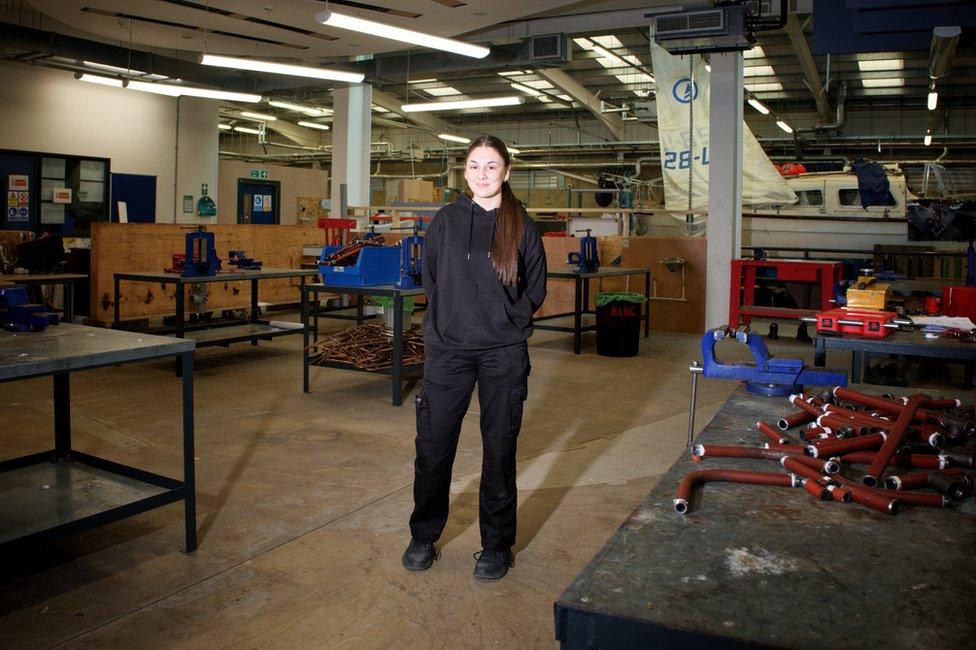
x: 259, y: 173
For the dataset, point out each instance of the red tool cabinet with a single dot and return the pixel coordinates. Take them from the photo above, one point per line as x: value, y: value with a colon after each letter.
x: 742, y: 297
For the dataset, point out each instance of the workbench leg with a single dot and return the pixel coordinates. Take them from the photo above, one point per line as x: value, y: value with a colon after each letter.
x: 359, y: 309
x: 647, y: 305
x: 397, y: 350
x: 967, y: 375
x: 819, y: 353
x: 314, y: 306
x: 305, y: 339
x: 115, y: 324
x: 189, y: 471
x: 586, y: 295
x: 62, y: 417
x: 748, y: 294
x: 857, y: 361
x: 577, y: 314
x: 180, y: 319
x: 735, y: 293
x: 69, y: 301
x: 254, y: 305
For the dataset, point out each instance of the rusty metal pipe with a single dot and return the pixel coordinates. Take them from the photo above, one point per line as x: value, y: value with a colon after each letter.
x: 961, y: 458
x: 838, y: 447
x: 691, y: 479
x: 891, y: 444
x: 774, y: 435
x: 955, y: 487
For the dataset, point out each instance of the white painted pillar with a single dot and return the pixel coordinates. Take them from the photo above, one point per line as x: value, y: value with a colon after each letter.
x: 197, y: 145
x: 351, y: 123
x: 724, y: 183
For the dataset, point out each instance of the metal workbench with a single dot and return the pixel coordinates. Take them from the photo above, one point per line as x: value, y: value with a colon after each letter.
x: 219, y: 333
x: 909, y: 344
x: 63, y: 491
x: 310, y: 319
x: 581, y: 301
x: 768, y: 566
x: 66, y: 280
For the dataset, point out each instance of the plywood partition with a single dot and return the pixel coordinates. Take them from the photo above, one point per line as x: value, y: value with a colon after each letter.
x: 118, y: 248
x: 668, y: 313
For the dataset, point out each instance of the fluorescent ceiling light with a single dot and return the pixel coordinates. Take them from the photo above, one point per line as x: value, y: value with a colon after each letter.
x: 313, y: 125
x: 453, y: 138
x: 342, y: 21
x: 755, y: 53
x: 513, y: 151
x: 882, y: 83
x: 933, y: 100
x: 758, y: 71
x: 462, y: 104
x: 526, y: 89
x: 115, y: 69
x: 259, y: 116
x: 224, y: 127
x: 783, y: 125
x: 104, y: 81
x: 708, y: 66
x: 758, y: 106
x: 244, y: 129
x: 772, y: 86
x: 281, y: 68
x: 314, y: 112
x: 514, y: 73
x: 441, y: 91
x: 422, y: 81
x: 607, y: 54
x: 881, y: 64
x: 928, y: 139
x: 380, y: 109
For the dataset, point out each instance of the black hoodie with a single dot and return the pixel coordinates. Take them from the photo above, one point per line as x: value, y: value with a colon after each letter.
x: 468, y: 308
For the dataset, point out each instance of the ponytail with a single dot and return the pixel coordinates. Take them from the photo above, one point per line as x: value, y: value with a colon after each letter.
x: 509, y: 228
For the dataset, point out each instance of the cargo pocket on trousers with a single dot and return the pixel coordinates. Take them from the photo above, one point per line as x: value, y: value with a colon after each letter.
x: 518, y: 397
x: 422, y: 402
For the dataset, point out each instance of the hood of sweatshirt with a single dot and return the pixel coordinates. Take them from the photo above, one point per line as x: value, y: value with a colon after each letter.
x: 467, y: 305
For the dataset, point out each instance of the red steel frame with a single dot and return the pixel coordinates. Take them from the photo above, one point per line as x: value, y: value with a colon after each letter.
x: 743, y: 290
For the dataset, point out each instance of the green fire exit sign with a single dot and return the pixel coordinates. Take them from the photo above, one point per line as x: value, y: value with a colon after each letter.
x: 259, y: 173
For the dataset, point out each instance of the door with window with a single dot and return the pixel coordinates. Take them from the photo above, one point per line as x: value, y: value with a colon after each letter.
x: 258, y: 201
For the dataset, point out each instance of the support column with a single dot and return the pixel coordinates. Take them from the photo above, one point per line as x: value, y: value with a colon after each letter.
x: 724, y: 183
x: 351, y: 123
x: 197, y: 145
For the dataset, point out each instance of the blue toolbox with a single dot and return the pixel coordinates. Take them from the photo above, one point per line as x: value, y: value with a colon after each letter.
x: 17, y: 314
x: 374, y: 265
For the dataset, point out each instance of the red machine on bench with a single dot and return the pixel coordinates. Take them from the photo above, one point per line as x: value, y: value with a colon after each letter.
x: 858, y: 322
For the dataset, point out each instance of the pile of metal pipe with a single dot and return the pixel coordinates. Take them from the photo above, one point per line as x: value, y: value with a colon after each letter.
x: 826, y: 435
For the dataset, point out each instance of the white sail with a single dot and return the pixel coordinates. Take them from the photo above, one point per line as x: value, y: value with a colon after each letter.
x: 682, y: 122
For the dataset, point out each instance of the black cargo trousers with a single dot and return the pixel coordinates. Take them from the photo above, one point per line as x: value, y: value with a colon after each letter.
x: 449, y: 379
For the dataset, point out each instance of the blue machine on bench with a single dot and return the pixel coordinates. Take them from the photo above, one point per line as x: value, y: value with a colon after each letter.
x: 17, y: 314
x: 400, y: 265
x: 587, y: 260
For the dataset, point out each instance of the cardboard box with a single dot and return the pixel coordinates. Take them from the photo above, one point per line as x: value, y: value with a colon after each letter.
x: 409, y: 190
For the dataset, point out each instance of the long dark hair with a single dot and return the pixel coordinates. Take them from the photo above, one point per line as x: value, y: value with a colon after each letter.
x: 509, y: 226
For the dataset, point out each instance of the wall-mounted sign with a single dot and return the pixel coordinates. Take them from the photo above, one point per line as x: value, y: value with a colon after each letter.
x: 259, y: 173
x: 258, y: 203
x: 18, y: 183
x: 187, y: 204
x: 61, y: 195
x: 267, y: 203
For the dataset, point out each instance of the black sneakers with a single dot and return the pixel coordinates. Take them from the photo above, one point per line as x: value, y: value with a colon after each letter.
x: 419, y: 555
x: 492, y: 565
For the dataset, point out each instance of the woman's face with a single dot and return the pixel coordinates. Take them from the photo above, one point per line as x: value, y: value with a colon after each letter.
x: 485, y: 171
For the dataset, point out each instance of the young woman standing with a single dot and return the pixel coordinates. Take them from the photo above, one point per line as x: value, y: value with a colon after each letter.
x: 484, y: 277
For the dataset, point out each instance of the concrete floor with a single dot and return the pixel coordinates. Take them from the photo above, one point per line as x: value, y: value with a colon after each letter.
x: 303, y: 501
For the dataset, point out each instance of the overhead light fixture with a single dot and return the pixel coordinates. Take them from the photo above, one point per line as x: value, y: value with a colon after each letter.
x: 104, y: 81
x: 513, y: 151
x: 758, y: 106
x: 259, y: 116
x: 607, y: 54
x: 313, y: 112
x: 758, y: 71
x: 928, y: 139
x: 526, y: 89
x: 281, y: 68
x: 783, y: 125
x: 881, y: 64
x: 114, y: 69
x: 883, y: 83
x: 244, y: 129
x: 170, y: 90
x: 461, y: 104
x: 933, y: 100
x: 453, y: 138
x: 342, y: 21
x: 772, y: 86
x: 708, y: 66
x: 224, y: 127
x: 422, y: 81
x: 313, y: 125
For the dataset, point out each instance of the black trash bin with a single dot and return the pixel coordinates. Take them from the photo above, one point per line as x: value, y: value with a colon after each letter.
x: 618, y: 321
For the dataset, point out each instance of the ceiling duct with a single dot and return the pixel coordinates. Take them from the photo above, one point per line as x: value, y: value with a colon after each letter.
x: 943, y: 49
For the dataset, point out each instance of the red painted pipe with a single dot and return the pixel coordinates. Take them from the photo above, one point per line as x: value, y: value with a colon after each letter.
x: 917, y: 498
x: 896, y: 406
x: 774, y: 435
x: 692, y: 479
x: 799, y: 402
x: 838, y: 422
x: 870, y: 497
x: 796, y: 419
x: 841, y: 494
x: 918, y: 461
x: 804, y: 470
x: 824, y: 466
x: 910, y: 481
x: 729, y: 451
x: 819, y: 433
x: 859, y: 417
x: 837, y: 447
x: 924, y: 431
x: 938, y: 403
x: 892, y: 442
x: 816, y: 489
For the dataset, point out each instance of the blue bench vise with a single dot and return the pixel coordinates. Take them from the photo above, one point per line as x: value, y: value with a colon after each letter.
x: 587, y: 260
x: 17, y: 314
x: 411, y: 260
x: 201, y: 254
x: 768, y: 376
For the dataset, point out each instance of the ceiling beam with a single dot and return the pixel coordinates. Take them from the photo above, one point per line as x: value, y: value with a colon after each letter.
x: 581, y: 95
x: 809, y: 67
